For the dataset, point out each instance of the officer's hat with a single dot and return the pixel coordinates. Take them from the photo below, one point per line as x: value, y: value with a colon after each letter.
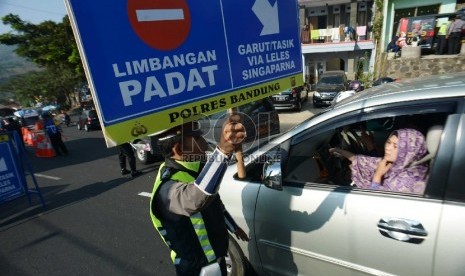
x: 187, y: 129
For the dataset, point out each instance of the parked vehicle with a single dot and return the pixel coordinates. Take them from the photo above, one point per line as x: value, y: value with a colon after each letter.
x: 28, y: 117
x: 88, y: 120
x: 146, y: 149
x: 260, y: 119
x: 305, y: 216
x: 330, y: 83
x: 291, y: 98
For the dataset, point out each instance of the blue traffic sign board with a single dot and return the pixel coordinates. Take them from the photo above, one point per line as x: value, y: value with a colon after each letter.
x: 174, y: 59
x: 10, y: 177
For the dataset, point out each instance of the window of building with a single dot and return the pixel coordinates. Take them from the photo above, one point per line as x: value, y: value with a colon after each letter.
x: 414, y: 11
x: 362, y: 18
x: 336, y: 20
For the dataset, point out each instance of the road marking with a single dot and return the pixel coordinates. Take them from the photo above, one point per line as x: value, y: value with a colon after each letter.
x: 159, y: 15
x: 145, y: 194
x: 47, y: 176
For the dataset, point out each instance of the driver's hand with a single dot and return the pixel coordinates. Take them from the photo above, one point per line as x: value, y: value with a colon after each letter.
x: 241, y: 235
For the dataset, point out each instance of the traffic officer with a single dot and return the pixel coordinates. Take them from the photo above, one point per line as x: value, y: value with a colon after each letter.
x: 185, y: 206
x: 454, y: 34
x: 441, y: 48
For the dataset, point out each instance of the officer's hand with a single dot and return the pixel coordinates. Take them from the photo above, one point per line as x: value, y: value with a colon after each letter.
x: 233, y: 134
x: 241, y: 235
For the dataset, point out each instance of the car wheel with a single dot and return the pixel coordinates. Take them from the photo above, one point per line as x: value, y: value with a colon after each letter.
x: 144, y: 157
x: 86, y: 127
x: 236, y: 263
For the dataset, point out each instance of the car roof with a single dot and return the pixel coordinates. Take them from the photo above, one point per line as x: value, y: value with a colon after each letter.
x: 425, y: 88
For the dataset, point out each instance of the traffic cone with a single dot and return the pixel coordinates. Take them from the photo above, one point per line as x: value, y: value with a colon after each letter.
x: 33, y: 138
x: 28, y: 136
x: 44, y: 147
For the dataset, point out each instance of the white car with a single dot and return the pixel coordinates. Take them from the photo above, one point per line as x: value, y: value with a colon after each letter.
x: 306, y: 216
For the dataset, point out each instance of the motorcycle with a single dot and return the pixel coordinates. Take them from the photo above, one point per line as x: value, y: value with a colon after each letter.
x: 342, y: 95
x: 66, y: 120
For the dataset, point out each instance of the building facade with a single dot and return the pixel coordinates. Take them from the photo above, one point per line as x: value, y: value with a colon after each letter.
x: 336, y: 35
x: 328, y: 44
x: 394, y: 10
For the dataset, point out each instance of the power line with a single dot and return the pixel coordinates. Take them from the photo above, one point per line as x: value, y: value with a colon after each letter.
x: 33, y: 9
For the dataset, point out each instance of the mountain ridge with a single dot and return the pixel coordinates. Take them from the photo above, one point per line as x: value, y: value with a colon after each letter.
x: 12, y: 65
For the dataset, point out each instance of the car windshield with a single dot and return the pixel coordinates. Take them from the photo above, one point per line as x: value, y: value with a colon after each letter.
x: 332, y: 80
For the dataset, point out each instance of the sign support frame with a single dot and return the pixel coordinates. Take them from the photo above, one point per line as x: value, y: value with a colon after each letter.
x: 23, y: 164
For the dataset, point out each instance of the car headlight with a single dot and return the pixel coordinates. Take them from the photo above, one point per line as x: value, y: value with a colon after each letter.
x: 317, y: 94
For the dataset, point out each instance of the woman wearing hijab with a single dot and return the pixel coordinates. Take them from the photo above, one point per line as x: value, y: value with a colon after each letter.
x: 395, y: 171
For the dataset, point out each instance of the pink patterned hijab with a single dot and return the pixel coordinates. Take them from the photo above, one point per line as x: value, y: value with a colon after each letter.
x: 403, y: 175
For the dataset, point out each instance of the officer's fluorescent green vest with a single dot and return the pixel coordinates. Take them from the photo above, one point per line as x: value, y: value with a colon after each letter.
x: 196, y: 220
x: 443, y: 29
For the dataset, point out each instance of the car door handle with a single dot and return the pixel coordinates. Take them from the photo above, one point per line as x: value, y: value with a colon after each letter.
x: 402, y: 230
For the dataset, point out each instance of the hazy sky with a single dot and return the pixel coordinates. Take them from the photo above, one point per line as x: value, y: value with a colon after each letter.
x: 33, y: 11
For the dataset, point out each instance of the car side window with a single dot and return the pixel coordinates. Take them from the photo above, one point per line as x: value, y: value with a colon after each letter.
x: 313, y: 160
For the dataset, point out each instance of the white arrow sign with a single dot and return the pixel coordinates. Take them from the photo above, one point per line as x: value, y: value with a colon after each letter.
x: 268, y: 16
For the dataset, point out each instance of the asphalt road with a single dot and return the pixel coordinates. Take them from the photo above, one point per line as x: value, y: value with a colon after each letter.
x: 288, y: 118
x: 95, y: 221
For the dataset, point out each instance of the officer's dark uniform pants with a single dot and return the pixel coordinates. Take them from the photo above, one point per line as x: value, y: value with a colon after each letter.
x: 57, y: 144
x: 126, y: 151
x: 442, y: 45
x: 454, y: 43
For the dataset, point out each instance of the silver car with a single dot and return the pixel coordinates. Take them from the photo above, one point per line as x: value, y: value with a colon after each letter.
x: 305, y: 216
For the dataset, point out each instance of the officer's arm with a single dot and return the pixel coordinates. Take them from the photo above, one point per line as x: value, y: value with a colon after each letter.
x: 233, y: 135
x: 192, y: 198
x: 187, y: 199
x: 210, y: 177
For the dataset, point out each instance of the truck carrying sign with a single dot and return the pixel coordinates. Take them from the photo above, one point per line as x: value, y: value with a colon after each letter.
x: 155, y: 64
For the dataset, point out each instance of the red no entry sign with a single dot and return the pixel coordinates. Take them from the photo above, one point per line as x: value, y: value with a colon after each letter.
x: 162, y: 24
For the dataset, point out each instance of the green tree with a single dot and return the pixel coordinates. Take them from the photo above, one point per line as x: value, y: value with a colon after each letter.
x: 51, y: 46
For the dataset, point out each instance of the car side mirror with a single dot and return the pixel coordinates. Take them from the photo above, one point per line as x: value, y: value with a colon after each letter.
x: 272, y: 175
